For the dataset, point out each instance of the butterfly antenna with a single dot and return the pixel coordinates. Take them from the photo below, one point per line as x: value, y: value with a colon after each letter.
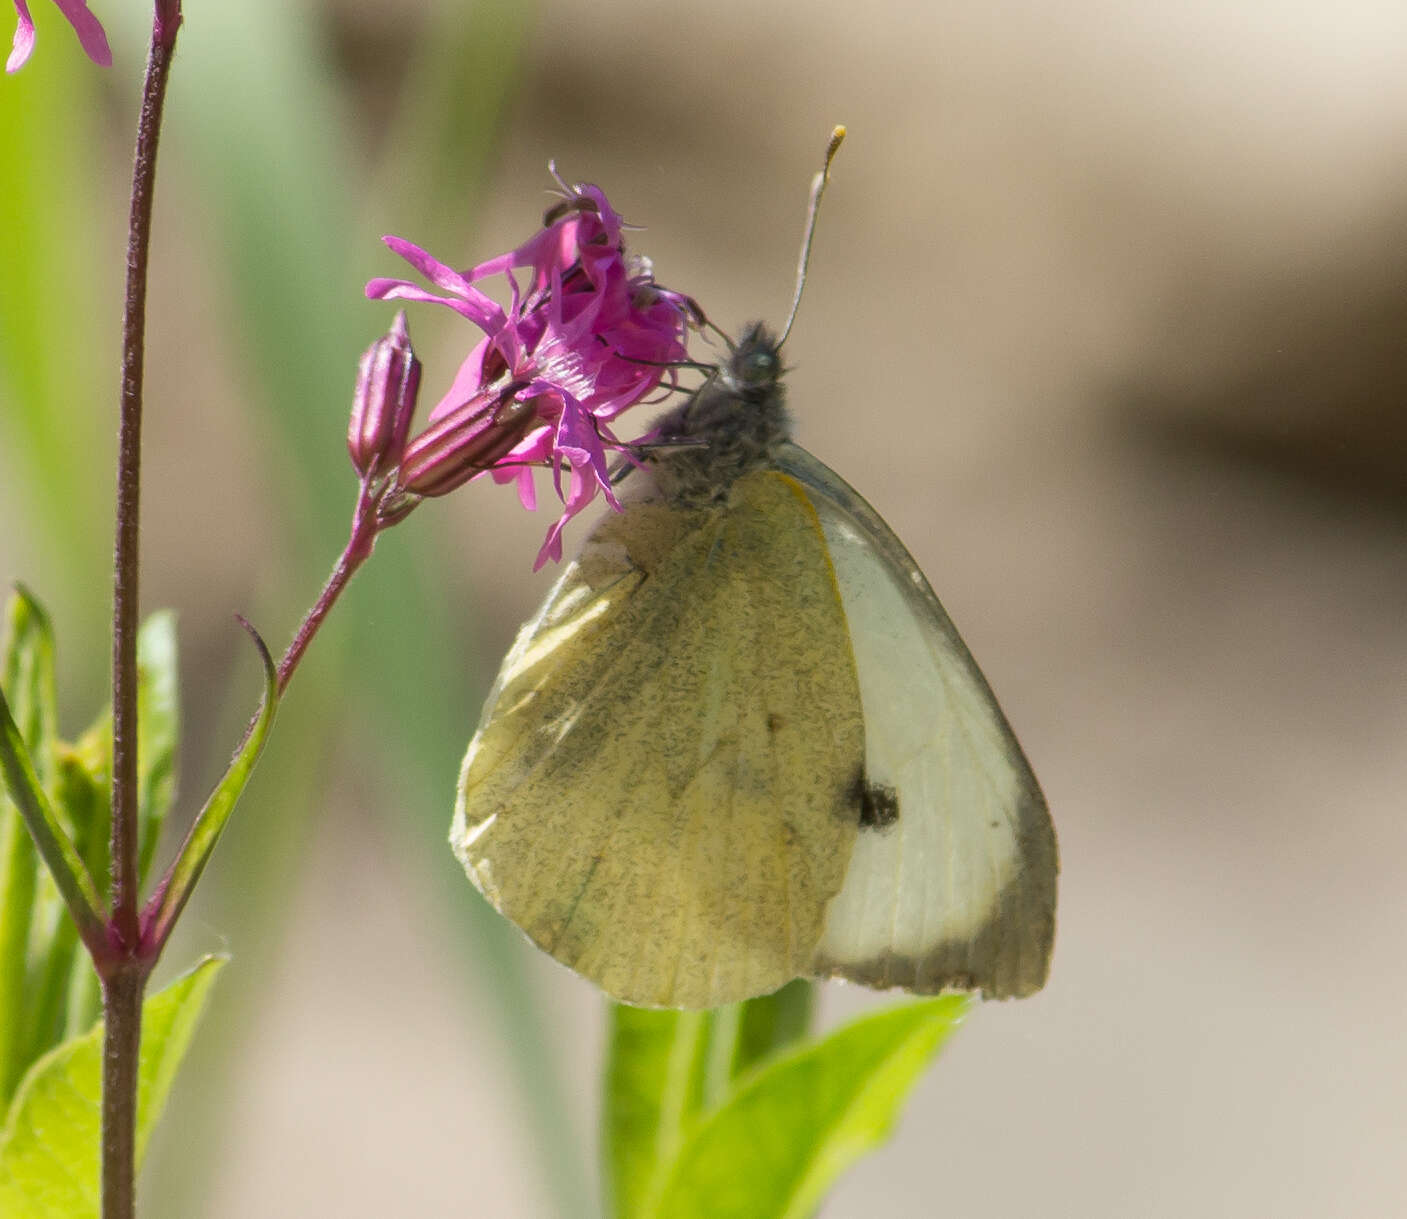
x: 818, y: 186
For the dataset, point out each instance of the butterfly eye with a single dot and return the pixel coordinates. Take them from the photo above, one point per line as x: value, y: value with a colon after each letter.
x: 759, y: 367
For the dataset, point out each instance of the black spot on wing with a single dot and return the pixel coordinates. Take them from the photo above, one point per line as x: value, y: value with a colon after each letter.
x: 875, y: 805
x: 879, y: 808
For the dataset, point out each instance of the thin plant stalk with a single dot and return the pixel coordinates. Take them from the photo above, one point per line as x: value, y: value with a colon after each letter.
x: 358, y: 549
x: 124, y: 976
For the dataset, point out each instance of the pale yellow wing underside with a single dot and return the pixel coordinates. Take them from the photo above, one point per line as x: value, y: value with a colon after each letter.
x: 662, y: 791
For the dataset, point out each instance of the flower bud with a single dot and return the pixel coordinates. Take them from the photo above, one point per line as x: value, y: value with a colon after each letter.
x: 388, y: 382
x: 466, y: 442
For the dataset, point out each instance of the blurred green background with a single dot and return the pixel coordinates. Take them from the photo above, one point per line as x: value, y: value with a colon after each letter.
x: 1106, y: 316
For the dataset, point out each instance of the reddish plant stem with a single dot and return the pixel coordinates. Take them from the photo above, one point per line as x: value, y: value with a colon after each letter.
x: 126, y: 599
x: 124, y: 978
x: 358, y: 549
x: 122, y: 1040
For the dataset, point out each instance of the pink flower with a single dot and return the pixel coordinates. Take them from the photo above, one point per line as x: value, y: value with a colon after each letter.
x: 88, y: 28
x: 591, y: 335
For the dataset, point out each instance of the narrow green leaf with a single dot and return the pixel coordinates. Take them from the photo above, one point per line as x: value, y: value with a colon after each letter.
x: 30, y: 910
x: 166, y: 904
x: 49, y: 1147
x: 656, y: 1069
x: 63, y: 994
x: 18, y: 882
x: 85, y: 995
x: 53, y: 842
x: 85, y: 791
x: 157, y: 728
x: 27, y: 677
x: 793, y: 1126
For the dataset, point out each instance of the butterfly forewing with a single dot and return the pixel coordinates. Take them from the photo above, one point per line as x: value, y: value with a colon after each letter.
x: 954, y: 887
x: 631, y: 799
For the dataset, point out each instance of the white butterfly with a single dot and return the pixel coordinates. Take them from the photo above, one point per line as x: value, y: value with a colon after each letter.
x: 742, y: 742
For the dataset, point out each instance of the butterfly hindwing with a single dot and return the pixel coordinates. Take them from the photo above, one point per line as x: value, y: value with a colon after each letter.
x: 953, y: 886
x: 631, y: 798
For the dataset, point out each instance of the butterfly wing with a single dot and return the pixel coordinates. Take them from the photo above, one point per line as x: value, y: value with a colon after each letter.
x: 958, y: 890
x: 630, y: 799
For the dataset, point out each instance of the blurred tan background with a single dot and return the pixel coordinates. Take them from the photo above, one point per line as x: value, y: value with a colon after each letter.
x: 1108, y: 317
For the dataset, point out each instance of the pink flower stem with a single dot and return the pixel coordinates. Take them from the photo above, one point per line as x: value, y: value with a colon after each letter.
x: 365, y: 526
x: 124, y: 972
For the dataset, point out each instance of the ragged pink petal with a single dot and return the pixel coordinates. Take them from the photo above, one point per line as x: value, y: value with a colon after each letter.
x: 89, y: 29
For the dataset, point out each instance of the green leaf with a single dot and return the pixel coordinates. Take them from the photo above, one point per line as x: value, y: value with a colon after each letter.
x: 51, y: 839
x: 49, y: 1147
x: 157, y: 727
x: 656, y: 1064
x: 85, y: 791
x: 770, y: 1023
x: 18, y: 882
x: 795, y: 1124
x: 63, y: 994
x: 83, y: 794
x: 27, y: 678
x: 165, y: 905
x: 666, y: 1068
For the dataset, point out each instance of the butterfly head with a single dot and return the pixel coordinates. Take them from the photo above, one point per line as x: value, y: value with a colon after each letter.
x: 754, y: 366
x: 729, y: 427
